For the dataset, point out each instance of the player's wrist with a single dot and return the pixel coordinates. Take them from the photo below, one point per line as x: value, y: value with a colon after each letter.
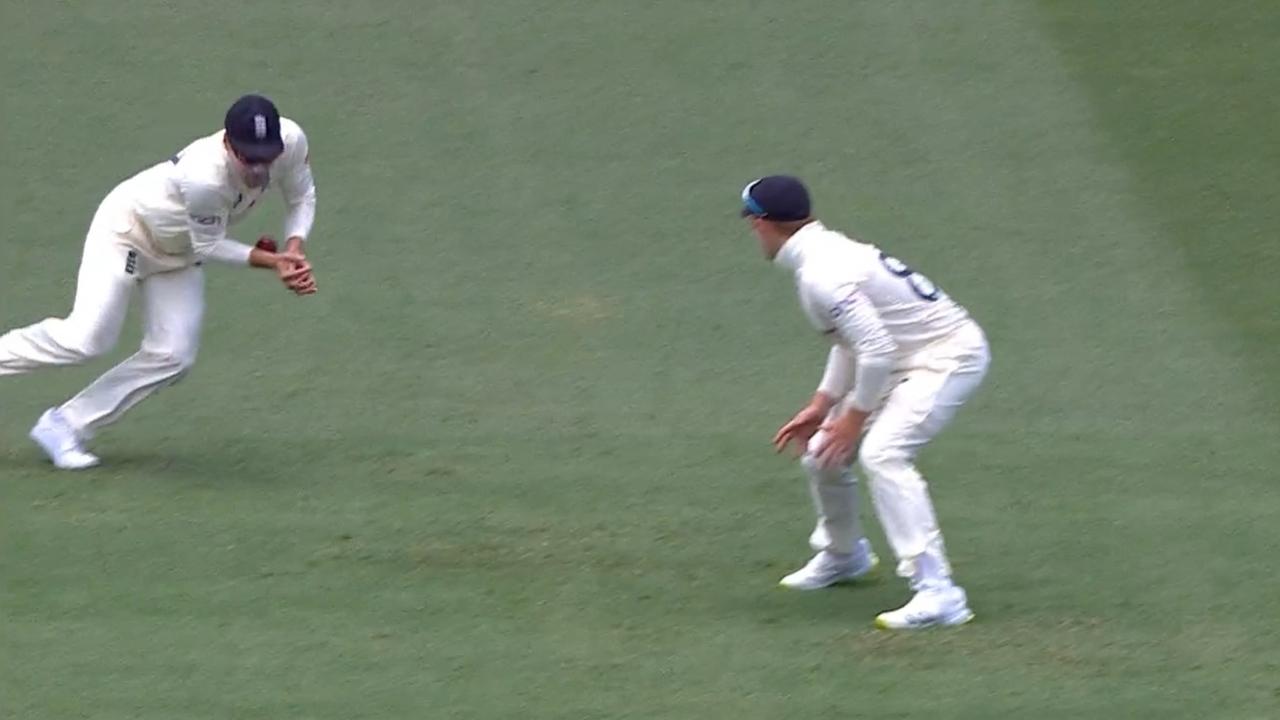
x: 267, y: 259
x: 854, y: 418
x: 859, y: 414
x: 260, y: 258
x: 822, y: 402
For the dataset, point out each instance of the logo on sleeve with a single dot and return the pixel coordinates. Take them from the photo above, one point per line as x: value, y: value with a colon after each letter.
x: 846, y: 299
x: 207, y: 220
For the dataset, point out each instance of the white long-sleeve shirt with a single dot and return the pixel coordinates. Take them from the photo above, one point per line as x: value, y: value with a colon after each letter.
x: 878, y: 311
x: 179, y: 210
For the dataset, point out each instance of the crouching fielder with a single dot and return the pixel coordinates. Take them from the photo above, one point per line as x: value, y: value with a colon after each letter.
x: 904, y: 358
x: 151, y: 235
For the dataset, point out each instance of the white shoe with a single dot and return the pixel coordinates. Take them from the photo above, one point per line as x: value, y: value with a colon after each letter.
x: 827, y: 569
x: 930, y: 607
x: 60, y: 443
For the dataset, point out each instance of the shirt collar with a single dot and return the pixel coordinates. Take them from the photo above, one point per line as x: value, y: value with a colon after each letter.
x: 792, y: 253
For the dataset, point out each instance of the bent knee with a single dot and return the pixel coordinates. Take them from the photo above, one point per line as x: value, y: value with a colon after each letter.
x: 839, y: 474
x: 175, y: 361
x: 182, y: 362
x: 810, y: 463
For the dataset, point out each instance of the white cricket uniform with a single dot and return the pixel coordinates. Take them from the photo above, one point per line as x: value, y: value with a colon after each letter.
x: 153, y: 232
x: 901, y: 350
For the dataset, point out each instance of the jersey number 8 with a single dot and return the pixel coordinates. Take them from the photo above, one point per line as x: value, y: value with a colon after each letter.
x: 920, y: 285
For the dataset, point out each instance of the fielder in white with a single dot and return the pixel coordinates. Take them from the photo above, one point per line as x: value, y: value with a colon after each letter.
x: 151, y: 235
x: 904, y: 357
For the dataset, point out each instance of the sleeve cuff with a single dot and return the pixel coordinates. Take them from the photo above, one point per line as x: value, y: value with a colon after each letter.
x: 870, y: 382
x: 231, y: 252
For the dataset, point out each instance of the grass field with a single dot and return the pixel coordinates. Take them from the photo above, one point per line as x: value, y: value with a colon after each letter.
x: 513, y: 462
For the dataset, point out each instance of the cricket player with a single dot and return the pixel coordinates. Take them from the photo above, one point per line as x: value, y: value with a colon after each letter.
x: 151, y: 235
x: 904, y: 357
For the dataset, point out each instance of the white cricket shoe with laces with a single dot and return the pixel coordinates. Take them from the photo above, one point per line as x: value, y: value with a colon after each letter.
x: 826, y: 569
x: 931, y: 606
x: 59, y: 441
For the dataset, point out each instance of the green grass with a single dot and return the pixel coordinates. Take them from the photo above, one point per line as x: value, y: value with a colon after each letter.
x: 512, y: 461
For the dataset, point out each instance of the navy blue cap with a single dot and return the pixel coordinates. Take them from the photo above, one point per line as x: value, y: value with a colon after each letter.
x: 253, y: 128
x: 780, y: 198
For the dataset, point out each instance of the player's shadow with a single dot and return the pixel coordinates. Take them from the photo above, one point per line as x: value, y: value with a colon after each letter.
x: 754, y: 595
x: 227, y: 461
x: 248, y: 463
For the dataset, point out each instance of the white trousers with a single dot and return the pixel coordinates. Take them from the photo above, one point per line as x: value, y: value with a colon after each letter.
x: 111, y: 270
x: 923, y: 399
